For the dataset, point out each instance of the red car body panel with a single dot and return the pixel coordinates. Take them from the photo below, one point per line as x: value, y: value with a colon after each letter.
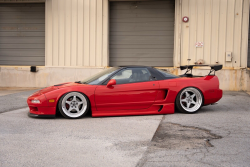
x: 143, y: 98
x: 134, y: 96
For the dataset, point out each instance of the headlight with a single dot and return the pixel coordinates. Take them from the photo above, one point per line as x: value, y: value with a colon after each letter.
x: 35, y: 101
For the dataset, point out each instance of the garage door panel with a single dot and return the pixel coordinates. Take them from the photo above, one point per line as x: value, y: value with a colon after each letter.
x: 17, y: 58
x: 21, y: 63
x: 21, y: 15
x: 22, y: 34
x: 22, y: 27
x: 159, y: 2
x: 21, y: 8
x: 22, y: 46
x: 138, y: 55
x: 141, y: 20
x: 142, y: 51
x: 160, y: 25
x: 3, y: 8
x: 141, y: 33
x: 128, y: 46
x: 129, y: 7
x: 17, y: 40
x: 145, y: 12
x: 126, y: 55
x: 147, y: 42
x: 142, y: 9
x: 131, y: 27
x: 131, y: 15
x: 22, y: 52
x: 31, y: 27
x: 142, y: 38
x: 144, y: 5
x: 140, y: 28
x: 147, y: 59
x: 20, y: 21
x: 155, y: 64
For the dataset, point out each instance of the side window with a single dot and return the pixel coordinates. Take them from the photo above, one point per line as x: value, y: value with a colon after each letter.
x: 166, y: 74
x: 132, y: 75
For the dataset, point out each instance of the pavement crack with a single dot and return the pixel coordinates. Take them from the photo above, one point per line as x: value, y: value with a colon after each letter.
x: 176, y: 136
x: 173, y: 137
x: 143, y: 159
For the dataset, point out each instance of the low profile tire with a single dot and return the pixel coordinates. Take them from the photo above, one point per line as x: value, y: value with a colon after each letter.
x: 189, y: 100
x: 73, y: 105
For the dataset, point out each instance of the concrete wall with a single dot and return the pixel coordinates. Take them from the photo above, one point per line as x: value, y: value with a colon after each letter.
x: 230, y: 79
x: 46, y: 76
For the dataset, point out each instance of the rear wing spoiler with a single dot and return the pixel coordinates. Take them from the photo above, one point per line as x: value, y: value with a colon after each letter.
x: 214, y: 67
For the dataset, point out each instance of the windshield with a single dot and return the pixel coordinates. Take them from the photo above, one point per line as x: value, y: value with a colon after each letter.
x: 99, y: 77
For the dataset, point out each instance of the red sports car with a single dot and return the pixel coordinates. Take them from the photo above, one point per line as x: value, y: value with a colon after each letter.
x: 128, y: 90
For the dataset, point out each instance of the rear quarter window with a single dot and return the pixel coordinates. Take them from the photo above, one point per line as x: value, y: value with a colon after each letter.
x: 166, y: 74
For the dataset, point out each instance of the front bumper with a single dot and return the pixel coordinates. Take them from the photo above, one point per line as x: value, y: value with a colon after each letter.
x: 40, y: 116
x: 40, y: 109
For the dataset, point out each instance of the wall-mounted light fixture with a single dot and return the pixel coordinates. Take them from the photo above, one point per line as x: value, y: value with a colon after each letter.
x: 33, y: 69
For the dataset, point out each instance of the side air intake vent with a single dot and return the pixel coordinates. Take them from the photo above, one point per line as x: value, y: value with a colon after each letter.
x: 166, y: 93
x: 160, y: 108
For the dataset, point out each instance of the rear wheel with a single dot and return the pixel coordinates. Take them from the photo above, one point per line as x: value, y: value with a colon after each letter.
x: 73, y: 105
x: 189, y: 100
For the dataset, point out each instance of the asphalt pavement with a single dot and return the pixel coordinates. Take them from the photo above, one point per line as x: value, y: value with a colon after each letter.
x: 216, y: 136
x: 12, y: 99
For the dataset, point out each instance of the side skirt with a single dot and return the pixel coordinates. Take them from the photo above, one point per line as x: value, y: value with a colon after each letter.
x: 153, y: 110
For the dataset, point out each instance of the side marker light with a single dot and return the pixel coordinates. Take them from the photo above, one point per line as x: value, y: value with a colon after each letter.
x: 52, y: 100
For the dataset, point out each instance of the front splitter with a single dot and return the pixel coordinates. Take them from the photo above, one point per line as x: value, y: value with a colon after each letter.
x: 40, y: 116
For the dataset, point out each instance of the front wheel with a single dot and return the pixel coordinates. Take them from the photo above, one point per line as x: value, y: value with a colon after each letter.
x: 189, y: 100
x: 73, y: 105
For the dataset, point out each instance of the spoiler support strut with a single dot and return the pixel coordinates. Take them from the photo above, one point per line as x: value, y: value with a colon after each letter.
x: 212, y: 70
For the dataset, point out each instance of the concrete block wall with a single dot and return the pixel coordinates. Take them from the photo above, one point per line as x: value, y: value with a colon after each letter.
x: 45, y: 76
x: 230, y: 79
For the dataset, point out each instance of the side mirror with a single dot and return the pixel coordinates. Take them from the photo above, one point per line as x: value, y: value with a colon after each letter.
x: 111, y: 83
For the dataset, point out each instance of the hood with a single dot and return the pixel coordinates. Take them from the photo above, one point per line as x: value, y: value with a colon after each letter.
x: 58, y: 86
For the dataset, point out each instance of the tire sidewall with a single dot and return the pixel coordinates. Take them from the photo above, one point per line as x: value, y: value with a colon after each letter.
x: 66, y: 116
x: 180, y: 108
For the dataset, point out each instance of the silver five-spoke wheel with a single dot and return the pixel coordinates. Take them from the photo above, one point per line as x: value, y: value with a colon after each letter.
x: 189, y: 100
x: 73, y: 105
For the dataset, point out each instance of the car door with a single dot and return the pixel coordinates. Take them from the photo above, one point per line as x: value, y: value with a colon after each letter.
x: 135, y: 89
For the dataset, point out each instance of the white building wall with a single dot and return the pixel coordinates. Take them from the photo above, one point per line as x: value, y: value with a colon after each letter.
x: 77, y: 42
x: 76, y: 33
x: 222, y: 25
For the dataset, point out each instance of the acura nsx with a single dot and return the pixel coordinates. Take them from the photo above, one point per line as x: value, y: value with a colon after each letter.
x: 128, y: 90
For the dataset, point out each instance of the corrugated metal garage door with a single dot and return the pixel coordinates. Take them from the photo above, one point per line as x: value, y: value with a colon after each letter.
x: 22, y: 34
x: 142, y: 33
x: 248, y: 58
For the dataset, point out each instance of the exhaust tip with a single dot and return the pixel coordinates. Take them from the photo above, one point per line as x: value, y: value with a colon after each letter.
x: 214, y: 103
